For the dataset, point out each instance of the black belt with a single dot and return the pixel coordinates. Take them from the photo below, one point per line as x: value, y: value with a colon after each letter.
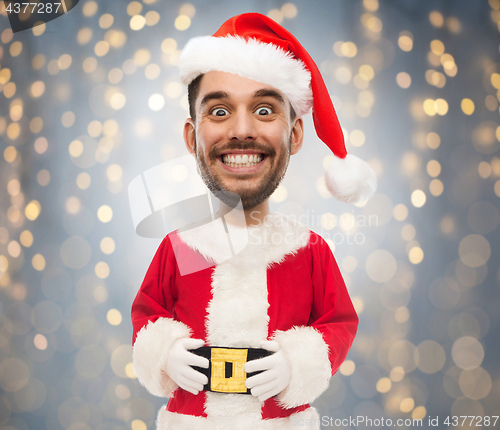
x: 225, y: 371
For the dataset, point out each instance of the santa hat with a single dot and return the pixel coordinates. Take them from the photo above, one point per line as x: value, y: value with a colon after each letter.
x: 256, y: 47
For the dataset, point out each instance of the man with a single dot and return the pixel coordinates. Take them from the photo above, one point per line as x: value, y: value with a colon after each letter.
x: 282, y: 298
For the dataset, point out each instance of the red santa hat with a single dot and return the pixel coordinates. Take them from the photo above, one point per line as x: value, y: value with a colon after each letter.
x: 256, y: 47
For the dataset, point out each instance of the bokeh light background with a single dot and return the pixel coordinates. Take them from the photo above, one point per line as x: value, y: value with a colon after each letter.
x: 93, y: 99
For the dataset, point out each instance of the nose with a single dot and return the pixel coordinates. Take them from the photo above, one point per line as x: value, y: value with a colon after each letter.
x: 242, y: 126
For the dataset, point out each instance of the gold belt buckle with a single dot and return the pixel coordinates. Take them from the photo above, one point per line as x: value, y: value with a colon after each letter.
x: 220, y: 359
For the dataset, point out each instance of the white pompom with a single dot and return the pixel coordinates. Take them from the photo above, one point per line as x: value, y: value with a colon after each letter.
x: 350, y: 179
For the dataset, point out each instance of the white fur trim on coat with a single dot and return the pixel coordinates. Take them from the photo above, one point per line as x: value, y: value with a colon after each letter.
x: 150, y: 352
x: 237, y: 314
x: 350, y: 179
x: 262, y: 62
x: 308, y: 419
x: 307, y: 354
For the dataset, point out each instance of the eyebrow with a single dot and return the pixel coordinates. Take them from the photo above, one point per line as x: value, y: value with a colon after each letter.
x: 213, y: 95
x: 216, y: 95
x: 269, y: 93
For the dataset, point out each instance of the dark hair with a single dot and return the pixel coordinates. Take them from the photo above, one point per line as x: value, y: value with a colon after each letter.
x: 194, y: 90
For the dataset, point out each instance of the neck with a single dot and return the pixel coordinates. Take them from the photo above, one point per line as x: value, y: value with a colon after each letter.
x: 252, y: 216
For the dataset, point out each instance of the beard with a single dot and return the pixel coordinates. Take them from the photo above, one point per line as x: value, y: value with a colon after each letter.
x: 250, y: 197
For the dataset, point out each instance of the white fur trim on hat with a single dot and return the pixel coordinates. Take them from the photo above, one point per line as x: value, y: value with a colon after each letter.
x: 262, y: 62
x: 350, y: 179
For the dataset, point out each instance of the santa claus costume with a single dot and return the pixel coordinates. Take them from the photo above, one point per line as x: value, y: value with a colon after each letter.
x: 284, y: 285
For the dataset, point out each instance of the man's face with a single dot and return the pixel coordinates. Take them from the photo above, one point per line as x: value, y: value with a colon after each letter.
x: 243, y: 136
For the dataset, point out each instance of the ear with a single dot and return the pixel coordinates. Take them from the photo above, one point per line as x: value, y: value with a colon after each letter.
x: 297, y: 135
x: 189, y: 135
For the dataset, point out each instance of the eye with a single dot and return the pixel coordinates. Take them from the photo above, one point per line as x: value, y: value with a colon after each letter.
x: 264, y: 111
x: 220, y: 112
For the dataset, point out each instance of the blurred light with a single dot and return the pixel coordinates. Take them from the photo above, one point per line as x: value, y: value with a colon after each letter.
x: 484, y: 137
x: 84, y: 35
x: 407, y: 405
x: 107, y: 245
x: 419, y: 413
x: 474, y: 250
x: 397, y: 374
x: 102, y: 270
x: 437, y: 47
x: 491, y: 103
x: 433, y: 140
x: 436, y: 187
x: 276, y: 15
x: 289, y: 10
x: 106, y: 20
x: 279, y: 194
x: 105, y: 213
x: 16, y: 48
x: 418, y: 198
x: 137, y: 22
x: 371, y: 5
x: 433, y: 168
x: 380, y: 265
x: 134, y: 8
x: 405, y: 41
x: 403, y: 79
x: 416, y: 255
x: 187, y: 9
x: 357, y: 138
x: 402, y: 314
x: 453, y: 24
x: 83, y: 180
x: 26, y: 238
x: 73, y: 205
x: 182, y: 22
x: 343, y: 74
x: 94, y: 129
x: 118, y: 101
x: 38, y: 262
x: 5, y: 75
x: 348, y: 49
x: 115, y: 76
x: 467, y: 353
x: 40, y: 342
x: 37, y: 89
x: 101, y: 48
x: 467, y: 106
x: 89, y: 8
x: 436, y: 19
x: 152, y: 71
x: 138, y: 425
x: 32, y: 210
x: 383, y: 385
x: 152, y: 18
x: 168, y: 46
x: 400, y: 212
x: 366, y: 72
x: 89, y: 64
x: 142, y: 127
x: 347, y: 368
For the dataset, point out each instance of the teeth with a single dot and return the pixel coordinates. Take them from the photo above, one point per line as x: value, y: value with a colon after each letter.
x: 241, y: 160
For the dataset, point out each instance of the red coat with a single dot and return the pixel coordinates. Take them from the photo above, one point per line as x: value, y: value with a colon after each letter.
x: 283, y: 285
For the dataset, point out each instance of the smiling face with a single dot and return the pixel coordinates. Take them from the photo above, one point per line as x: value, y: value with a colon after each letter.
x: 243, y: 136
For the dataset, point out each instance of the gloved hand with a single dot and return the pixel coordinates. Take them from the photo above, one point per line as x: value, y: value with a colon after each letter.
x: 276, y: 373
x: 179, y: 362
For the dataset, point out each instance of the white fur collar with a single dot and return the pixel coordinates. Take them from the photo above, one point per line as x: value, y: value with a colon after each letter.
x: 266, y: 243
